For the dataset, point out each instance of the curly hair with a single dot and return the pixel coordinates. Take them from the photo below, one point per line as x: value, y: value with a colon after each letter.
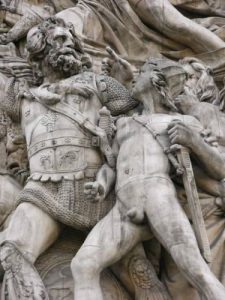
x: 38, y: 45
x: 205, y: 89
x: 163, y: 75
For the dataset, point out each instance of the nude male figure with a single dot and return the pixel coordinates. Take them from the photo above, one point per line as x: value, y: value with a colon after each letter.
x: 146, y: 197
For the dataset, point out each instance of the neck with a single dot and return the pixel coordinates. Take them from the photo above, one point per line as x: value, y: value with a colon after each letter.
x: 152, y: 102
x: 51, y: 75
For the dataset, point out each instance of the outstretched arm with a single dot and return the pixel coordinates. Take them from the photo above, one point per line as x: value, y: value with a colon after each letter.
x: 31, y: 18
x: 118, y: 68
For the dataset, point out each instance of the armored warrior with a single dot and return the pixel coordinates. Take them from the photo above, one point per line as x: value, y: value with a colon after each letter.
x: 144, y: 190
x: 66, y: 148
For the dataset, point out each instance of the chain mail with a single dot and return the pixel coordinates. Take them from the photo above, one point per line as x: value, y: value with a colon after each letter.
x: 115, y: 96
x: 11, y: 103
x: 65, y: 201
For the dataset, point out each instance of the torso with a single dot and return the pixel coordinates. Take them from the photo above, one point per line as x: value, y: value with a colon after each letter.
x: 140, y: 154
x: 69, y: 146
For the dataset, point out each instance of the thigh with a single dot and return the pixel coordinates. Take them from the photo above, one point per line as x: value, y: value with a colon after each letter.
x: 9, y: 189
x: 32, y: 230
x: 166, y: 217
x: 110, y: 239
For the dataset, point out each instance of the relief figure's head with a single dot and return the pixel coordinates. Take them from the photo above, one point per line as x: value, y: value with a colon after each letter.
x: 54, y: 48
x: 200, y: 81
x: 160, y: 79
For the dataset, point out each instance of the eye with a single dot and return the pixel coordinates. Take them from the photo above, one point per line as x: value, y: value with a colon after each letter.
x: 191, y: 76
x: 59, y: 39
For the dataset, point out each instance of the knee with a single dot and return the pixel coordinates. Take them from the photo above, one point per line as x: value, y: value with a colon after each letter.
x: 84, y: 267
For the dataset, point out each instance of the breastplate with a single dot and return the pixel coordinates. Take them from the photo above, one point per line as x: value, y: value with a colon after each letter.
x: 57, y: 145
x: 59, y: 154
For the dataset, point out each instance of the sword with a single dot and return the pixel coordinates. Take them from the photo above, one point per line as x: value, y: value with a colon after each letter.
x: 194, y: 203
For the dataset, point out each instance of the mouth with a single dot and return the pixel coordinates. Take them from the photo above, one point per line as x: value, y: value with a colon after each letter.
x: 68, y: 51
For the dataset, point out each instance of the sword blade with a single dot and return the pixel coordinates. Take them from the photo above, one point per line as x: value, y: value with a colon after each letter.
x: 194, y: 204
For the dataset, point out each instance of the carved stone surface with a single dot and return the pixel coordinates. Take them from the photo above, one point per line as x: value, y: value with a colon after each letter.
x: 112, y: 136
x: 54, y: 268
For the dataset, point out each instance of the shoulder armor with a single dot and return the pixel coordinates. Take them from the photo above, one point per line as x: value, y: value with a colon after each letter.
x: 114, y: 95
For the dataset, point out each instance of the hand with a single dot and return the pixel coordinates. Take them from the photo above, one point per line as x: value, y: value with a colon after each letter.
x: 94, y: 191
x: 64, y: 88
x: 180, y: 134
x: 19, y: 70
x: 46, y: 96
x: 209, y: 138
x: 20, y: 175
x: 4, y: 39
x: 117, y: 67
x: 186, y: 101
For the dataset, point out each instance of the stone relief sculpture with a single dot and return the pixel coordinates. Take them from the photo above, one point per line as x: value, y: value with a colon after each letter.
x: 128, y: 26
x: 65, y: 150
x: 210, y: 188
x: 85, y: 129
x: 143, y: 188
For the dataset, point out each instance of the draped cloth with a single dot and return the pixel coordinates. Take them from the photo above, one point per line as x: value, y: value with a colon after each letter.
x: 115, y: 23
x: 119, y: 24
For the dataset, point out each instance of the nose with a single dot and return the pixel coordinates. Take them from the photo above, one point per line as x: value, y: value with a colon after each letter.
x: 68, y: 43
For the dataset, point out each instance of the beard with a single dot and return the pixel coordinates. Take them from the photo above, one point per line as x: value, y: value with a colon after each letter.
x: 65, y: 61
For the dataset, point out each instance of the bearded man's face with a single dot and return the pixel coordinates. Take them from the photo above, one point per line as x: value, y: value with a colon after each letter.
x: 62, y: 56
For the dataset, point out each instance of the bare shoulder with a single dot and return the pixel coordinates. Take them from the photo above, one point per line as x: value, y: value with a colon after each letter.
x: 122, y: 121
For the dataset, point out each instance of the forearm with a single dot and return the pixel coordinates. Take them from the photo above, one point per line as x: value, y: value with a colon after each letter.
x: 206, y: 183
x: 209, y: 157
x: 21, y: 28
x: 106, y: 177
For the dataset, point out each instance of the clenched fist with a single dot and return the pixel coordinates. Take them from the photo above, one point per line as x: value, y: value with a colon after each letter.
x: 94, y: 191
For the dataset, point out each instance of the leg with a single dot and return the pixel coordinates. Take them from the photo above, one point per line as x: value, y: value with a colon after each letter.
x: 167, y: 19
x: 30, y: 232
x: 172, y: 228
x: 107, y: 243
x: 9, y: 189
